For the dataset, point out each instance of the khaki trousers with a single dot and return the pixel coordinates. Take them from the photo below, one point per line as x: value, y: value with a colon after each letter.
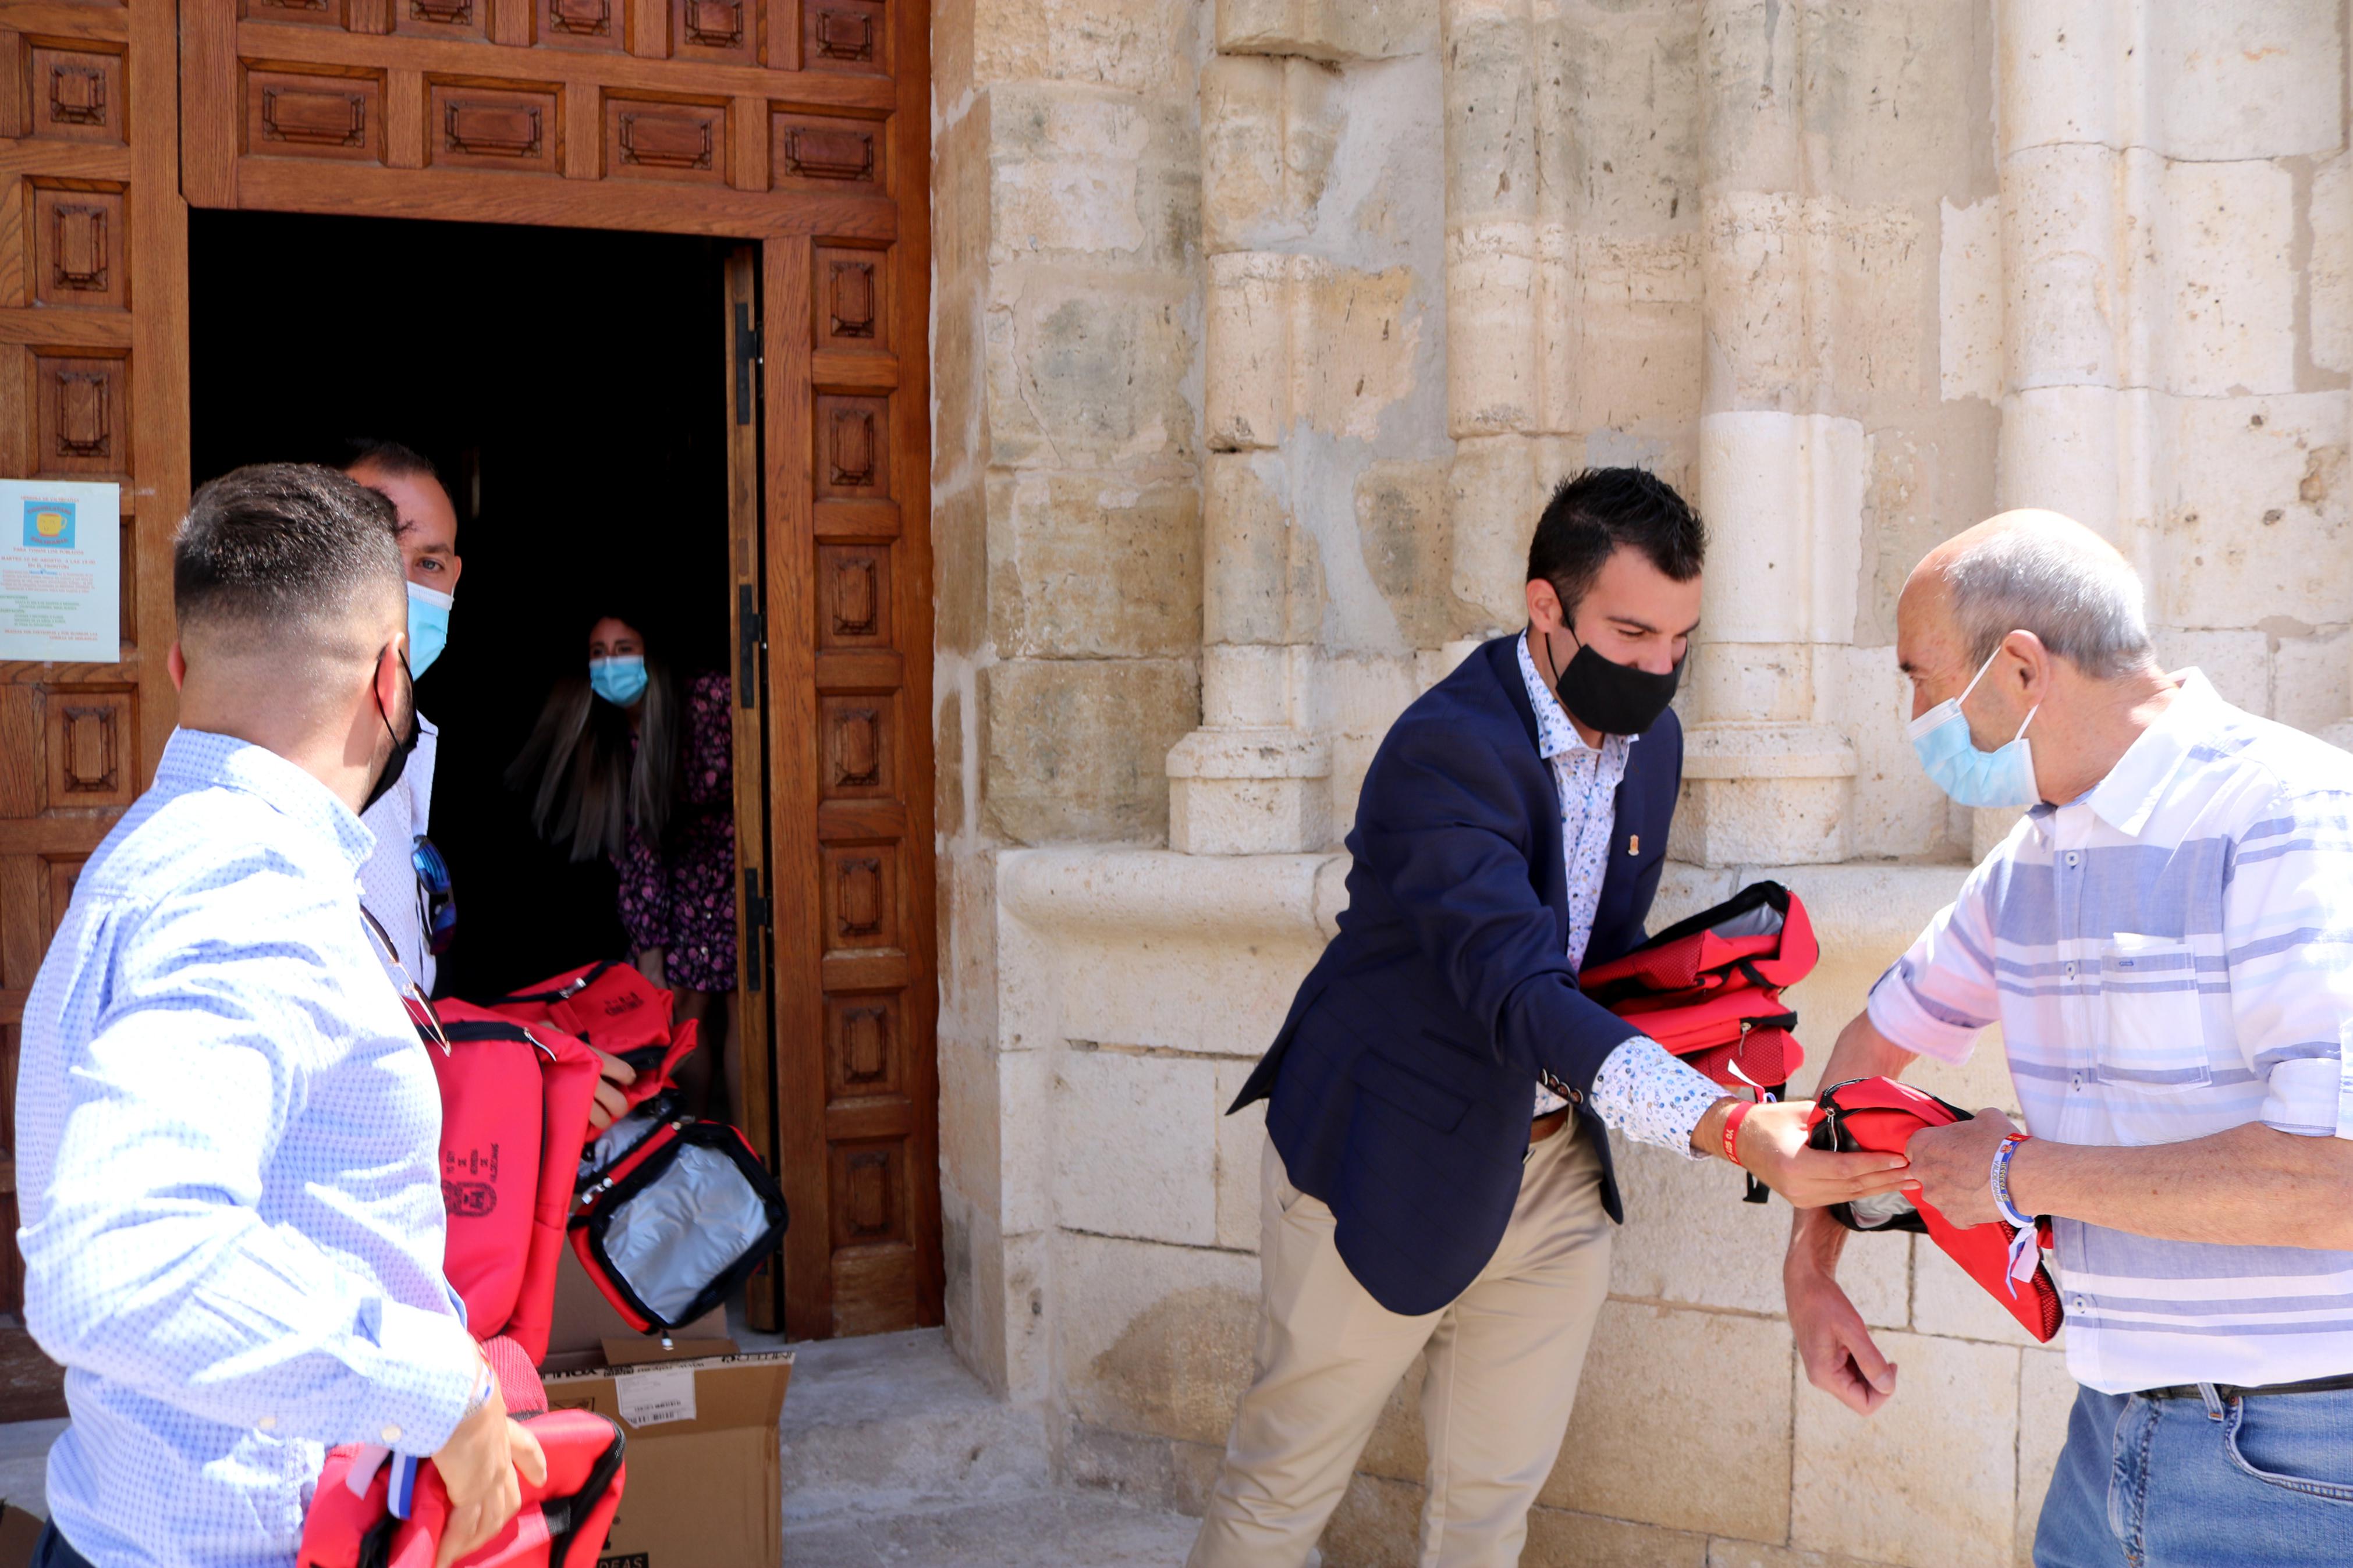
x: 1503, y: 1359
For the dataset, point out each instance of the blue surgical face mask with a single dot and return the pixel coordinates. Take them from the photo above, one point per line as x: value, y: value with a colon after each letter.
x: 2001, y: 777
x: 428, y: 626
x: 619, y: 680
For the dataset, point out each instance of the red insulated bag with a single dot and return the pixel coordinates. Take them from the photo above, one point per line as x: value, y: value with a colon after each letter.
x: 514, y: 1114
x: 618, y: 1011
x: 373, y: 1511
x: 562, y: 1523
x: 678, y: 1224
x: 1709, y: 988
x: 1878, y: 1113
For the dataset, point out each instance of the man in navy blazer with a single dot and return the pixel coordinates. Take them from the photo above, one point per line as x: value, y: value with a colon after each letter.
x: 1436, y: 1181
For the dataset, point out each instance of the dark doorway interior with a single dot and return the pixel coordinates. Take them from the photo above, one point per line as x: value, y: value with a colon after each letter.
x: 570, y: 385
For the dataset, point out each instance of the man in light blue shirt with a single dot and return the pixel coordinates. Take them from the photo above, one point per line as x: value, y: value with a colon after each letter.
x: 232, y: 1213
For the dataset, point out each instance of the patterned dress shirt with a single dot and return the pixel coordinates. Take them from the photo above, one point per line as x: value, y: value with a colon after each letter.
x: 1642, y: 1090
x: 232, y: 1214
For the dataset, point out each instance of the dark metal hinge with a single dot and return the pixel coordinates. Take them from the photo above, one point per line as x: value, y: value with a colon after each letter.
x: 747, y: 354
x: 757, y: 914
x: 751, y: 641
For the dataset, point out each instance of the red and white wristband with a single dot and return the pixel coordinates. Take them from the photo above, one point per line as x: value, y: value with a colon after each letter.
x: 1731, y: 1120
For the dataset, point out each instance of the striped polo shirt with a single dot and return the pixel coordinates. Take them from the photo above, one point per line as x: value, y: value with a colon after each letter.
x: 2169, y: 955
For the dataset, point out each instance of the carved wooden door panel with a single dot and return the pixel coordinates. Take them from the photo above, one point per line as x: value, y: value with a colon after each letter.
x: 801, y: 125
x: 93, y: 331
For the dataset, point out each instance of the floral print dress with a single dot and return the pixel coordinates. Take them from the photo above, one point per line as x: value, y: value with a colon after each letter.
x: 680, y: 896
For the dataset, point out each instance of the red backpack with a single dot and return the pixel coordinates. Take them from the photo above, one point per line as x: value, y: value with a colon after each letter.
x: 372, y: 1509
x: 1709, y: 988
x: 1878, y: 1113
x: 514, y: 1114
x: 619, y: 1012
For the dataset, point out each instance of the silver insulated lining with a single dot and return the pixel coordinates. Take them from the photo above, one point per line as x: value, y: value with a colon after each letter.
x: 684, y: 1229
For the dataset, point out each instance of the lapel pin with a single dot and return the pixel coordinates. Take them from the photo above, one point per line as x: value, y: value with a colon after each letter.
x: 1633, y: 844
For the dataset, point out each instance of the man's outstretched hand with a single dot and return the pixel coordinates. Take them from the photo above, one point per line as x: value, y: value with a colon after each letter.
x: 1772, y: 1146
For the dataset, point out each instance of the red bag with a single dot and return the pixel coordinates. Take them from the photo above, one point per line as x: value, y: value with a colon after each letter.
x: 678, y: 1224
x: 608, y: 1005
x: 514, y: 1114
x: 562, y: 1523
x: 619, y: 1012
x: 1709, y: 988
x: 1878, y: 1113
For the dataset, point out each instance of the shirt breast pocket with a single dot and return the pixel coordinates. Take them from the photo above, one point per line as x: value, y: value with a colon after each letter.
x: 2155, y: 1037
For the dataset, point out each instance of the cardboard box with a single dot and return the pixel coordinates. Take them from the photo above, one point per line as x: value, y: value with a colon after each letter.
x: 706, y: 1484
x: 583, y: 1321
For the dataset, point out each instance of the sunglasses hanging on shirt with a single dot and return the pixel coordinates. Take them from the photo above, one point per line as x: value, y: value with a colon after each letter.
x: 437, y: 906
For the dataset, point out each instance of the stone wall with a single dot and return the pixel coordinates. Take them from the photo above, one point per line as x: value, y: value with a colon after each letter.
x: 1261, y: 329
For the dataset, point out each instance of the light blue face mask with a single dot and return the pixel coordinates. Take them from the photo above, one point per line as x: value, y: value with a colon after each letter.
x: 619, y: 680
x: 428, y: 626
x: 2001, y: 777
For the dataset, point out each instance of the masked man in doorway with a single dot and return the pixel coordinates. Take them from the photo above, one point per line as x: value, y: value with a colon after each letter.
x: 1437, y: 1180
x: 2166, y: 941
x: 228, y: 1155
x: 405, y: 883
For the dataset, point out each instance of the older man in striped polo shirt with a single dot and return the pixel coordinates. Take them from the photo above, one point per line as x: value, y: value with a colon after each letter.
x: 2166, y: 941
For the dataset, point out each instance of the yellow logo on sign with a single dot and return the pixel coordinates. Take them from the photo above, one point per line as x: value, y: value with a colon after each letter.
x: 50, y: 524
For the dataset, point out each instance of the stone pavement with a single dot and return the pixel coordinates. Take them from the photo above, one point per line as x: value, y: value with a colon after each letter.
x: 894, y: 1456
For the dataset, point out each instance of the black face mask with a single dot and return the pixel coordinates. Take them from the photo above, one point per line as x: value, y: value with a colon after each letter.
x: 1614, y: 698
x: 397, y: 762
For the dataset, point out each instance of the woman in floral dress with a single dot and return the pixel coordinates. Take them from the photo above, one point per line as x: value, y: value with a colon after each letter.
x: 621, y: 766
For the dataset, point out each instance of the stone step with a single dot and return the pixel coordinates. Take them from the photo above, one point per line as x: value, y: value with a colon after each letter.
x: 891, y: 1425
x: 1055, y: 1530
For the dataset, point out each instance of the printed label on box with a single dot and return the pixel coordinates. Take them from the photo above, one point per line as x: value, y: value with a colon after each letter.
x: 630, y: 1560
x: 649, y: 1398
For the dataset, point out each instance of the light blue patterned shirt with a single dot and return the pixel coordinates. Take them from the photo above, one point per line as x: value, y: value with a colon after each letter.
x: 1642, y: 1090
x: 232, y: 1212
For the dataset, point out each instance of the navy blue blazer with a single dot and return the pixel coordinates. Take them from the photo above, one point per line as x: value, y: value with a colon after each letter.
x: 1401, y: 1080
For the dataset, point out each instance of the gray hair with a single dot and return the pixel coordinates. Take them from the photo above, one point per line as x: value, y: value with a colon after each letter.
x: 2082, y: 599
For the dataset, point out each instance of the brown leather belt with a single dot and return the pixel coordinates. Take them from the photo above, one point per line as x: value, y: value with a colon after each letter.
x: 1544, y: 1126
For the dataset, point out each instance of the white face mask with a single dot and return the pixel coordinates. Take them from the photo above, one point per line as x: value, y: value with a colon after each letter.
x: 2001, y: 777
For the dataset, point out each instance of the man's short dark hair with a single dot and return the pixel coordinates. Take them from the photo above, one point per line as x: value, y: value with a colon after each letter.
x: 274, y: 546
x: 387, y: 457
x: 1594, y: 514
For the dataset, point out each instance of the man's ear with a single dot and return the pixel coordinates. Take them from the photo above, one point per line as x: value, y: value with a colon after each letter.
x: 1543, y: 606
x: 2033, y: 667
x: 176, y: 664
x: 387, y: 672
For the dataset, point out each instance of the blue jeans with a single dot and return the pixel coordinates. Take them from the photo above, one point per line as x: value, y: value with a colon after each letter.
x: 55, y: 1551
x: 2188, y: 1483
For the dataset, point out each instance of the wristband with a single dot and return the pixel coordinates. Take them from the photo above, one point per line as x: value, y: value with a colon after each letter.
x: 1731, y: 1121
x: 2000, y: 1181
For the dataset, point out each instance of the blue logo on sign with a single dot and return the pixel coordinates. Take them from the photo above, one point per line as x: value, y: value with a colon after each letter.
x: 50, y: 524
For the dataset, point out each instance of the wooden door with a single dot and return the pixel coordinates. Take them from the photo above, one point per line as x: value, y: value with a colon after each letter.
x: 801, y: 125
x: 755, y: 1094
x: 94, y: 385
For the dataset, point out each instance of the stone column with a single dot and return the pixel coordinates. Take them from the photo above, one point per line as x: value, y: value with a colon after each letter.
x: 1255, y: 778
x: 1781, y: 474
x: 1496, y: 316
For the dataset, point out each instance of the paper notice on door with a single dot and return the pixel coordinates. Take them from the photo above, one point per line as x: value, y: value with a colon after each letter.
x: 658, y: 1394
x: 60, y: 570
